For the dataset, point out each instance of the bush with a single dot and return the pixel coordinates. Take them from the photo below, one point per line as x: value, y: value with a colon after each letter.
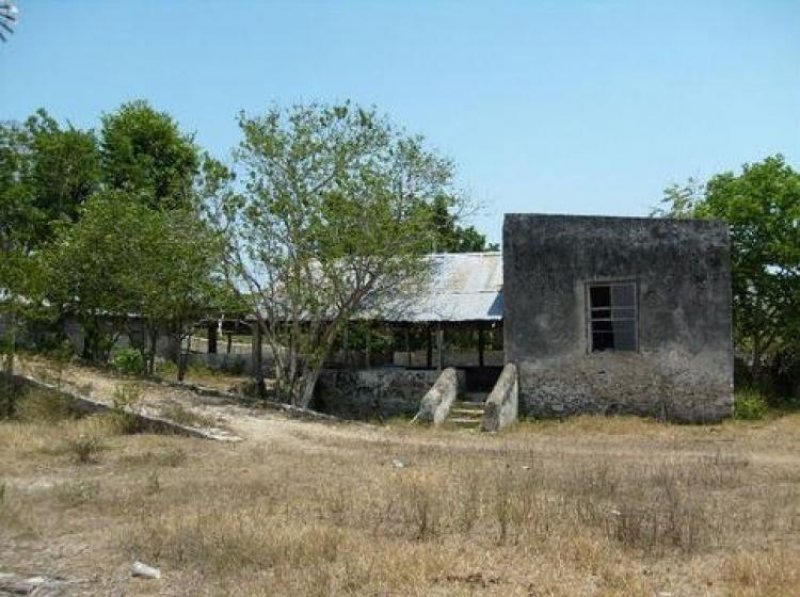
x: 84, y: 449
x: 749, y: 405
x: 123, y: 402
x: 128, y: 361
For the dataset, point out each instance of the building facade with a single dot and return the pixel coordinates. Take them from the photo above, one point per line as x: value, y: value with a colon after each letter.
x: 619, y: 315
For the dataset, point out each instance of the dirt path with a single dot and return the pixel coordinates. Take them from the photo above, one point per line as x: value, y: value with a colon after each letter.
x: 631, y: 438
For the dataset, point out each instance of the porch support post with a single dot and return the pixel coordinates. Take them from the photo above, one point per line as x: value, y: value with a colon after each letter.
x: 369, y: 344
x: 430, y: 346
x: 212, y: 337
x: 346, y: 344
x: 407, y: 340
x: 439, y: 347
x: 480, y: 346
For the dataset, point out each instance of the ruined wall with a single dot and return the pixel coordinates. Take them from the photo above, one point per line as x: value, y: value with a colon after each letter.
x: 683, y: 368
x: 371, y: 393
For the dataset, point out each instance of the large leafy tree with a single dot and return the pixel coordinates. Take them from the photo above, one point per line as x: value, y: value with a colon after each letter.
x: 46, y: 173
x: 762, y: 206
x: 144, y: 151
x: 123, y: 263
x: 337, y: 206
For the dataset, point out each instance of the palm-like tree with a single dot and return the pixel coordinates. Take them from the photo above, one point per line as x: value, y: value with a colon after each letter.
x: 8, y: 16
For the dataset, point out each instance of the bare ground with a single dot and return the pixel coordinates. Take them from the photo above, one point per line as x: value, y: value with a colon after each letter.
x: 591, y: 506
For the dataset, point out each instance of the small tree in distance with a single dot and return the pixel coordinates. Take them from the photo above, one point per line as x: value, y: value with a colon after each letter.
x: 336, y: 209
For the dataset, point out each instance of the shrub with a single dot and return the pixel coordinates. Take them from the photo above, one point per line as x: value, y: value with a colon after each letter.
x: 77, y: 493
x: 124, y: 398
x: 128, y: 361
x: 749, y: 405
x: 85, y: 448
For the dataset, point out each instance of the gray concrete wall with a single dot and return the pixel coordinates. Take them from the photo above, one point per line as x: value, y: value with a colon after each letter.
x: 683, y: 368
x: 379, y: 392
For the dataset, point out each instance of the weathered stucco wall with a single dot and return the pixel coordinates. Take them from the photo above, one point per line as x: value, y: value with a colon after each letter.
x: 683, y: 368
x: 378, y: 392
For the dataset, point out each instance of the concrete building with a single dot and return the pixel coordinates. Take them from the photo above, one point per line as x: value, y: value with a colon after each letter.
x: 629, y: 315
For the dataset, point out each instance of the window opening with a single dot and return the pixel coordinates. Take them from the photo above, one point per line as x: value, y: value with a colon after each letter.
x: 612, y: 316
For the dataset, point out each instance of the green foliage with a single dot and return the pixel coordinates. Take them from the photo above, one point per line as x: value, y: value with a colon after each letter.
x: 338, y: 206
x: 762, y: 206
x: 449, y: 235
x: 749, y: 405
x: 145, y: 152
x: 123, y: 257
x: 46, y: 173
x: 124, y: 399
x: 128, y: 361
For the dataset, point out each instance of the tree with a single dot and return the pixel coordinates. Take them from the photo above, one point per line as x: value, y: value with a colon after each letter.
x: 762, y: 206
x: 124, y: 262
x: 336, y: 210
x: 46, y: 173
x: 144, y: 151
x: 449, y: 235
x: 179, y: 278
x: 8, y: 16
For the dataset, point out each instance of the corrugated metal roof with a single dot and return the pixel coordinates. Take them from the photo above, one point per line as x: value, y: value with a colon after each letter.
x: 462, y: 287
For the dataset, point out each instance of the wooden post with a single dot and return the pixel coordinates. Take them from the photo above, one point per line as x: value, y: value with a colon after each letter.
x: 230, y: 343
x: 430, y: 346
x: 480, y: 347
x: 407, y: 340
x: 369, y: 345
x: 212, y: 338
x: 258, y: 372
x: 439, y: 347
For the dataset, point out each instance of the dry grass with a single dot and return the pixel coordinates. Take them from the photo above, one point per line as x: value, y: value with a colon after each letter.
x: 592, y: 506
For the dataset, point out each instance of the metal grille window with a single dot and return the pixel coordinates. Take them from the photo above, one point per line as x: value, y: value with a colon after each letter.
x: 612, y: 316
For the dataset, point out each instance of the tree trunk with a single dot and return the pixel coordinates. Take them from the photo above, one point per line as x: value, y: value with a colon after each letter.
x: 182, y: 361
x: 153, y: 343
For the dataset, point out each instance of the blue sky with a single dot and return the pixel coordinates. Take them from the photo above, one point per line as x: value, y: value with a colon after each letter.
x: 545, y: 106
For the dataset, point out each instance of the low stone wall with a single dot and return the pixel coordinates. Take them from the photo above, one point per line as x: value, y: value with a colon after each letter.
x: 501, y: 407
x: 379, y: 392
x: 419, y: 358
x: 435, y: 405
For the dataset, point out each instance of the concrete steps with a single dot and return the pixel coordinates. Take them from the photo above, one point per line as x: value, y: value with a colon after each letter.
x: 467, y: 413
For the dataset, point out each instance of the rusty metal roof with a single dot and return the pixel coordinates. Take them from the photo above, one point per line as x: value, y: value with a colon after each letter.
x: 463, y: 287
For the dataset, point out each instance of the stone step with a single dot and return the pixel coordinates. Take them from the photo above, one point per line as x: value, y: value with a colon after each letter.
x: 475, y: 397
x: 466, y: 413
x: 463, y: 422
x: 468, y: 405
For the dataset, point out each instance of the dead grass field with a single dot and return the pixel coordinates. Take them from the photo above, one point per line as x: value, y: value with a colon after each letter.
x: 591, y: 506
